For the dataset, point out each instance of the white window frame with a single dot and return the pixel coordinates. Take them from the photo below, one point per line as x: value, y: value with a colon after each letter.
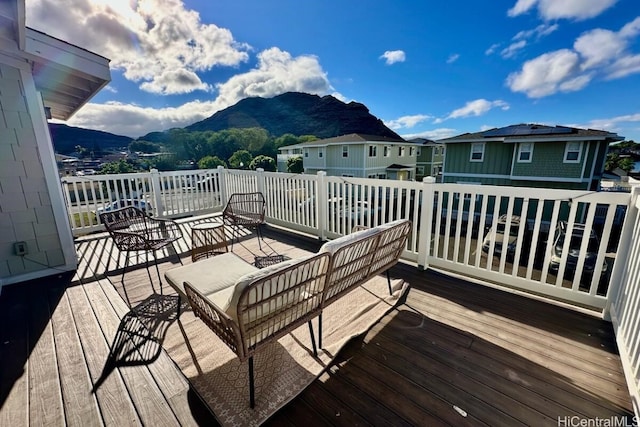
x: 386, y: 151
x: 373, y: 151
x: 410, y: 151
x: 306, y: 152
x: 570, y: 148
x: 320, y: 153
x: 474, y: 151
x: 382, y: 176
x: 522, y: 148
x: 345, y: 151
x: 401, y: 151
x: 371, y: 176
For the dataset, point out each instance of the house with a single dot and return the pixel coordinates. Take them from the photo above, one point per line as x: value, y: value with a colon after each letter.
x: 357, y: 155
x: 430, y: 158
x: 529, y: 155
x: 41, y: 77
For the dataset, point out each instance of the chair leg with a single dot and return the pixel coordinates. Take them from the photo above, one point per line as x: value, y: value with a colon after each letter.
x: 252, y: 401
x: 389, y: 281
x: 179, y: 306
x: 320, y: 330
x: 259, y: 236
x: 155, y: 261
x: 313, y: 339
x: 126, y: 264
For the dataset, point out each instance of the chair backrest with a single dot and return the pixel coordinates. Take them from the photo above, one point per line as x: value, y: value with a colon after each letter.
x: 122, y: 218
x: 245, y: 207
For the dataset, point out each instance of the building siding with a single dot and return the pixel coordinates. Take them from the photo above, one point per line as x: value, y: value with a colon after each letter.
x: 497, y: 159
x: 548, y: 162
x: 26, y: 213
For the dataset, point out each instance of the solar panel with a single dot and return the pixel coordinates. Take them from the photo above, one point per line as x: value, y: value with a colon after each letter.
x: 528, y: 130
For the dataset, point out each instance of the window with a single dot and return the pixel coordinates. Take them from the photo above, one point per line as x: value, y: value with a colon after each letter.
x: 401, y: 151
x: 371, y: 175
x: 345, y: 151
x: 572, y: 152
x: 387, y: 151
x: 525, y: 152
x: 373, y: 151
x: 320, y: 153
x: 418, y: 152
x: 382, y: 176
x: 420, y: 170
x: 306, y: 153
x: 477, y: 152
x: 347, y: 175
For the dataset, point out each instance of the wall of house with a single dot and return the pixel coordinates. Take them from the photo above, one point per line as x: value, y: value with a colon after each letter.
x: 26, y: 202
x: 497, y: 159
x: 548, y: 161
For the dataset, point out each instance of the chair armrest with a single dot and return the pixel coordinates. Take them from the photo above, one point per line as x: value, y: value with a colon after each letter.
x: 127, y: 241
x: 216, y: 319
x: 169, y: 229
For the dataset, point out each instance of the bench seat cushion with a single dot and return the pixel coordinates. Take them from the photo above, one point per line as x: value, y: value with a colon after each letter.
x: 210, y: 275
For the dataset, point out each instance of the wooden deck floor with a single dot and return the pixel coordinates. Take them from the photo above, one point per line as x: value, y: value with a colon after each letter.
x: 453, y: 353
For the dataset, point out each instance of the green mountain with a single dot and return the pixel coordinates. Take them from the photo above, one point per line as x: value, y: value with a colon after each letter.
x: 65, y: 138
x: 299, y: 114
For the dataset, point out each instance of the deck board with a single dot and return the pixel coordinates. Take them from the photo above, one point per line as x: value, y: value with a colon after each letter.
x: 454, y: 353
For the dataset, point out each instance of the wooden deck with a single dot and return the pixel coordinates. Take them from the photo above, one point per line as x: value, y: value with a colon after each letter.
x: 454, y: 353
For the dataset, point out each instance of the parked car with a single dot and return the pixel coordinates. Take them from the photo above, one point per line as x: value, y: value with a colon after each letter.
x: 577, y: 236
x: 512, y: 238
x: 143, y: 205
x: 208, y: 184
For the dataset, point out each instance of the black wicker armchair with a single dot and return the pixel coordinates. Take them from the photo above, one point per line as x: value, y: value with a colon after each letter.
x: 245, y: 210
x: 132, y: 230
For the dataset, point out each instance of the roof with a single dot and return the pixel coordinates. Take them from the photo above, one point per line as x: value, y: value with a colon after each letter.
x: 66, y: 75
x: 346, y: 139
x: 397, y: 166
x: 530, y: 132
x: 425, y: 141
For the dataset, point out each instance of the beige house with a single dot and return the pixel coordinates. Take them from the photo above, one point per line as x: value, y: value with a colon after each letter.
x: 40, y: 77
x: 357, y: 155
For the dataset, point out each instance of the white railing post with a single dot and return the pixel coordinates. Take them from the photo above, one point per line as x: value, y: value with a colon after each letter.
x: 222, y: 176
x: 260, y: 180
x: 156, y: 192
x: 426, y: 217
x: 322, y: 204
x: 623, y: 253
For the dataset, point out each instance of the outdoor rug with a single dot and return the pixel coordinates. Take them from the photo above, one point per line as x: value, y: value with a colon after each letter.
x: 284, y: 368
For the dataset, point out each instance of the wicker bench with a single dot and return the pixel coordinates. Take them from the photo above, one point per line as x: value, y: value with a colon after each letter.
x: 249, y: 307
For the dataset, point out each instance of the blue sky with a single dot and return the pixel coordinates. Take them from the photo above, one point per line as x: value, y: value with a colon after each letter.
x: 430, y: 69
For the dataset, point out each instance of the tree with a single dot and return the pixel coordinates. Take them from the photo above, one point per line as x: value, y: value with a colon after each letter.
x: 121, y: 166
x: 144, y: 147
x: 295, y: 165
x: 265, y: 162
x: 241, y: 159
x: 211, y: 162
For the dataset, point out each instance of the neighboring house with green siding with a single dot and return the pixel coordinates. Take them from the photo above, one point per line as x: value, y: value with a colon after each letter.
x: 430, y: 158
x: 529, y: 155
x: 357, y: 155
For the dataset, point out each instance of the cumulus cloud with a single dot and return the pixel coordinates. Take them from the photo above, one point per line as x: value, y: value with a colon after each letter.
x: 612, y: 124
x: 393, y: 56
x: 276, y: 72
x: 453, y: 58
x: 598, y: 52
x: 406, y: 121
x: 563, y: 9
x: 159, y: 44
x: 434, y: 134
x: 476, y: 108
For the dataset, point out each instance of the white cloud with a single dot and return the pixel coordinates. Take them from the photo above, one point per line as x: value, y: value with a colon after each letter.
x: 513, y: 49
x: 407, y: 121
x: 562, y: 9
x: 538, y: 32
x: 157, y: 43
x: 492, y: 49
x: 393, y: 56
x: 453, y: 58
x: 277, y: 72
x: 476, y: 108
x: 434, y: 134
x: 596, y: 52
x: 612, y: 123
x: 545, y: 74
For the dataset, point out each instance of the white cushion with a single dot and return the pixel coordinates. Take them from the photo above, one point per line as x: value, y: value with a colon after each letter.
x: 210, y: 275
x: 333, y: 245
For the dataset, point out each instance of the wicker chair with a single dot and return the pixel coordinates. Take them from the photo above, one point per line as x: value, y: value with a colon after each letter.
x: 132, y: 231
x: 245, y: 210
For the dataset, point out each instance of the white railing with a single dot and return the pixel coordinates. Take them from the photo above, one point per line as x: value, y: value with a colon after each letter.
x: 624, y: 308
